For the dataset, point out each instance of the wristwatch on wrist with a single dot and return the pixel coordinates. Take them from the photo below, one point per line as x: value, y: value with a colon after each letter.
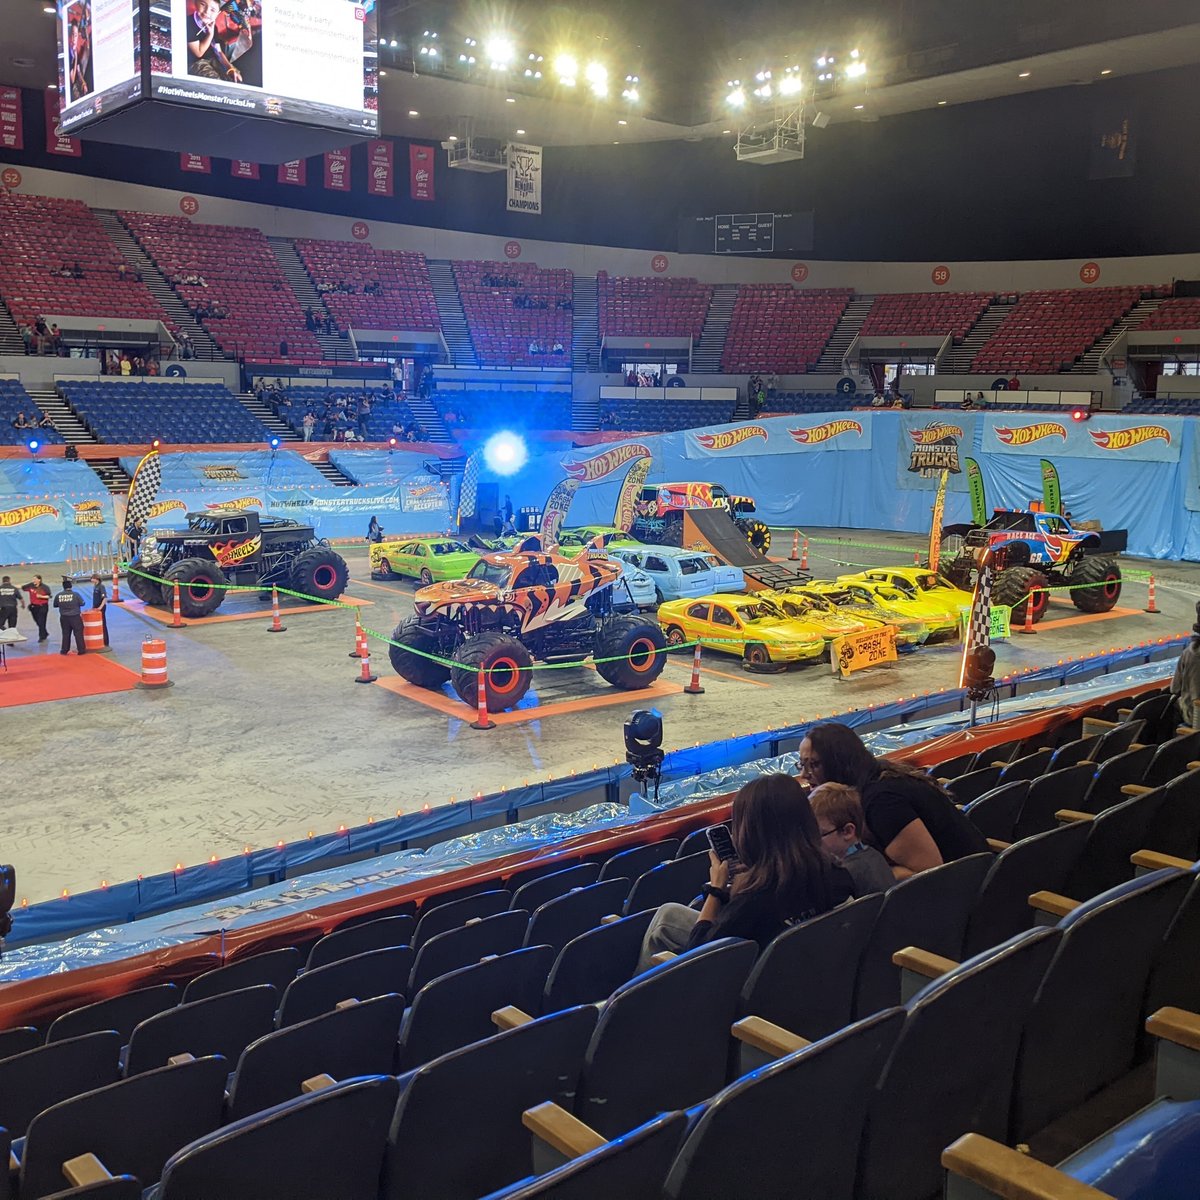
x: 721, y: 895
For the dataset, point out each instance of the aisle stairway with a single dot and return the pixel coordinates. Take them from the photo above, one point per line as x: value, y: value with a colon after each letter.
x: 261, y: 410
x: 958, y: 359
x: 451, y: 315
x: 429, y: 419
x: 585, y: 412
x: 73, y: 430
x: 832, y: 360
x: 10, y: 335
x: 706, y: 353
x: 585, y: 325
x: 334, y: 346
x: 127, y: 246
x: 1089, y: 362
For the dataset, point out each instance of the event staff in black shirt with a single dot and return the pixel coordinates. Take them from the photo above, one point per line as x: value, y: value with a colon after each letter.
x: 100, y: 603
x: 70, y: 616
x: 10, y: 597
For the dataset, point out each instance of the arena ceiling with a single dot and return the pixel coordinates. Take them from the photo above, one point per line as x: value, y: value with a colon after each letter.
x: 684, y: 54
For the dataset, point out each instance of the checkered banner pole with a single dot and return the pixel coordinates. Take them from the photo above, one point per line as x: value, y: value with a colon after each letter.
x: 979, y: 627
x: 143, y: 488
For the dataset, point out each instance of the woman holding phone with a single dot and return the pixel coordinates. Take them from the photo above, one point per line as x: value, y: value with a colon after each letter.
x: 780, y: 874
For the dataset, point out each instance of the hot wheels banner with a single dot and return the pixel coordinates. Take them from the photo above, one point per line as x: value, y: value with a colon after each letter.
x: 1112, y: 438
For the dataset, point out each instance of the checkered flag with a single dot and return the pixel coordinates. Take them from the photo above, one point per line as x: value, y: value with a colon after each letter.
x: 468, y: 494
x: 143, y: 488
x: 979, y: 626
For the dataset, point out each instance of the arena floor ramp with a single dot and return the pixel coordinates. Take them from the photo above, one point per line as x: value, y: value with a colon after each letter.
x: 714, y: 529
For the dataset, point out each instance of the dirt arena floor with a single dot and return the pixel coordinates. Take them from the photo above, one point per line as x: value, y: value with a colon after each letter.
x: 265, y: 738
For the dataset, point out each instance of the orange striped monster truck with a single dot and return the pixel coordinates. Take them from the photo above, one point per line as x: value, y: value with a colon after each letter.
x: 519, y: 605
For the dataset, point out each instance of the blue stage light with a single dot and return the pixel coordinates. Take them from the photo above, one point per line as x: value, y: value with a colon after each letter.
x: 505, y: 453
x: 33, y: 445
x: 273, y: 443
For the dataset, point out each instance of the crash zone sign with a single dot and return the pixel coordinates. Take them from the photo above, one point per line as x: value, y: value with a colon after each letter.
x: 857, y: 651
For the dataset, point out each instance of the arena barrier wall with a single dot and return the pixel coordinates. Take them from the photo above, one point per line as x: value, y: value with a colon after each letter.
x: 49, y: 505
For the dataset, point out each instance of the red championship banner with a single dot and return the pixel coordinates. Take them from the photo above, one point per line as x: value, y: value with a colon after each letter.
x: 420, y: 172
x: 337, y: 170
x: 200, y: 163
x: 12, y: 136
x: 240, y: 169
x: 57, y: 143
x: 294, y: 172
x: 380, y: 169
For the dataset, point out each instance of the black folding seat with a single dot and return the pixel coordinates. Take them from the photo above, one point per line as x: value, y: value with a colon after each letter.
x: 629, y: 864
x: 1082, y: 1031
x: 590, y: 967
x: 1029, y: 766
x: 398, y: 908
x: 18, y: 1040
x: 474, y: 1097
x: 929, y: 910
x: 121, y: 1013
x: 678, y: 881
x: 1176, y: 826
x: 1065, y: 788
x: 117, y: 1187
x: 696, y: 842
x: 558, y: 921
x: 1112, y: 838
x: 276, y: 967
x: 1171, y: 759
x: 461, y: 947
x: 804, y: 980
x: 359, y: 978
x: 454, y: 913
x: 224, y: 1025
x: 328, y: 1144
x: 995, y: 813
x: 792, y: 1128
x: 132, y: 1126
x: 358, y: 939
x: 951, y: 768
x: 1117, y: 740
x: 36, y: 1079
x: 1068, y: 754
x: 973, y: 784
x: 536, y: 892
x: 1127, y: 766
x: 1174, y: 980
x: 456, y: 1009
x: 357, y: 1040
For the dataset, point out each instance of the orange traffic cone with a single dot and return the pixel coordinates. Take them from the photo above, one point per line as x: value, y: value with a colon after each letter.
x: 276, y: 626
x: 365, y: 676
x: 795, y: 554
x: 176, y: 613
x: 359, y: 638
x: 694, y: 688
x: 116, y: 592
x: 804, y: 557
x: 482, y: 720
x: 154, y: 664
x: 1028, y: 626
x: 1151, y: 606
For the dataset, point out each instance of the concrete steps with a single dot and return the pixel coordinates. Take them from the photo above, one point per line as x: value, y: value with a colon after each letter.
x: 959, y: 358
x: 1088, y: 363
x: 706, y: 353
x: 73, y: 430
x: 451, y: 315
x: 833, y: 357
x: 334, y: 346
x: 585, y: 325
x: 429, y: 419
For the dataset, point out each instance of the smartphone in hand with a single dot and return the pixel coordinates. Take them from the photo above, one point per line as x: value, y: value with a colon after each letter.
x: 721, y: 842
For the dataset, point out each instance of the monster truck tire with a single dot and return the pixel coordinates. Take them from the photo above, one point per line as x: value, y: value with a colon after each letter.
x: 507, y: 665
x: 672, y: 530
x: 424, y: 672
x: 1012, y: 587
x: 756, y: 533
x: 146, y: 590
x: 200, y: 590
x: 637, y: 650
x: 959, y: 569
x: 1096, y: 569
x: 319, y: 572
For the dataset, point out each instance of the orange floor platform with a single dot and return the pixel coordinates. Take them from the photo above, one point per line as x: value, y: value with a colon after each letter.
x: 34, y: 677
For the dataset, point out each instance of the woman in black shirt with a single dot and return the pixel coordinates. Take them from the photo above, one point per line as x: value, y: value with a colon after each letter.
x: 781, y: 875
x: 909, y: 818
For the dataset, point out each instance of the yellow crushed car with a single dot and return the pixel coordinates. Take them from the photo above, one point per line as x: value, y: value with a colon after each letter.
x: 758, y: 633
x: 910, y: 632
x: 939, y: 609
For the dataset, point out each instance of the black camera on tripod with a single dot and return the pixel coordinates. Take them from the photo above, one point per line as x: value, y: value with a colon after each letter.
x: 643, y: 746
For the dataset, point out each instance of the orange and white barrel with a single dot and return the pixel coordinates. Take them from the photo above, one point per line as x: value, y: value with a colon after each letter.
x: 93, y: 630
x: 154, y: 664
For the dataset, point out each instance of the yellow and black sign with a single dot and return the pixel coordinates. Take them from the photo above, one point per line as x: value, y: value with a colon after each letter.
x: 857, y: 651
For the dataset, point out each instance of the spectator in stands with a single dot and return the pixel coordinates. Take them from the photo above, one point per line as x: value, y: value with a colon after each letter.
x: 839, y: 814
x: 71, y: 453
x: 122, y: 272
x: 310, y: 318
x: 909, y: 818
x: 968, y: 401
x: 309, y: 423
x: 45, y: 422
x: 76, y: 271
x: 126, y: 365
x: 877, y: 401
x: 283, y: 348
x: 1185, y: 684
x: 27, y: 337
x: 21, y: 421
x: 56, y: 340
x: 781, y: 875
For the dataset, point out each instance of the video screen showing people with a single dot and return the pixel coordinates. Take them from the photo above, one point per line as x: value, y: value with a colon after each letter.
x: 98, y: 58
x: 80, y: 73
x: 224, y: 41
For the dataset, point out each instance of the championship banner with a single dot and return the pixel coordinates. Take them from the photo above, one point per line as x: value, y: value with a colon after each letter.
x: 200, y: 163
x: 524, y: 178
x: 634, y: 482
x: 294, y: 172
x: 1112, y: 439
x: 380, y: 168
x: 1051, y: 489
x: 12, y: 133
x: 421, y: 161
x: 935, y: 524
x: 240, y: 169
x: 337, y: 171
x: 979, y: 512
x: 928, y: 447
x: 857, y: 651
x: 57, y: 143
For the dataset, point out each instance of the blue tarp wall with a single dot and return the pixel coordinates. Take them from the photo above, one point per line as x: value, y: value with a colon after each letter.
x: 47, y: 506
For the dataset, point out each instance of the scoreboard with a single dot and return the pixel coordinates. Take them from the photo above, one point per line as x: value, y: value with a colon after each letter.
x: 744, y: 233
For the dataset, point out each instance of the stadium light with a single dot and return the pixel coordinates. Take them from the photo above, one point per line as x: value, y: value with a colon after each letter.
x: 736, y: 98
x: 500, y: 50
x: 630, y: 94
x: 790, y: 84
x: 764, y: 92
x: 856, y: 70
x: 505, y: 453
x: 597, y: 76
x: 566, y: 68
x: 1080, y: 414
x: 33, y: 445
x: 273, y: 442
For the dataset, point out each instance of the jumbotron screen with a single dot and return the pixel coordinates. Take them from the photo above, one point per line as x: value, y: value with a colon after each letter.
x: 305, y: 62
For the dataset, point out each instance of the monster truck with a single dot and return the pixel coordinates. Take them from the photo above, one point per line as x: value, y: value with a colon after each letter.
x: 518, y: 605
x: 659, y: 509
x: 1035, y: 550
x: 237, y: 547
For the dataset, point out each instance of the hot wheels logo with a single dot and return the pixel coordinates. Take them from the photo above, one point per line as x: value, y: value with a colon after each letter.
x: 227, y: 553
x: 1124, y: 439
x: 165, y: 506
x: 932, y: 434
x: 826, y: 432
x: 238, y: 504
x: 27, y: 512
x: 588, y: 470
x: 729, y: 438
x: 1022, y: 435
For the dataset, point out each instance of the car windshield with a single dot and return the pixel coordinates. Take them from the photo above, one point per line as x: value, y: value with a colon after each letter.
x: 489, y: 573
x: 887, y: 593
x: 1021, y: 522
x: 449, y: 548
x: 713, y: 560
x: 762, y: 611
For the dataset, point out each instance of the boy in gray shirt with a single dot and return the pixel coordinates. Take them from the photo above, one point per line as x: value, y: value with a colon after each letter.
x: 839, y: 814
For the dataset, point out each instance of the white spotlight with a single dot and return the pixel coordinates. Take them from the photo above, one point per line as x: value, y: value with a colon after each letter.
x: 736, y: 98
x: 856, y: 70
x: 597, y: 76
x: 505, y: 453
x: 500, y: 50
x: 566, y: 68
x: 789, y: 85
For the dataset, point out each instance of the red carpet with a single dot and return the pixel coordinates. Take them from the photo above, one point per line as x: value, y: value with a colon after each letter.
x: 32, y: 678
